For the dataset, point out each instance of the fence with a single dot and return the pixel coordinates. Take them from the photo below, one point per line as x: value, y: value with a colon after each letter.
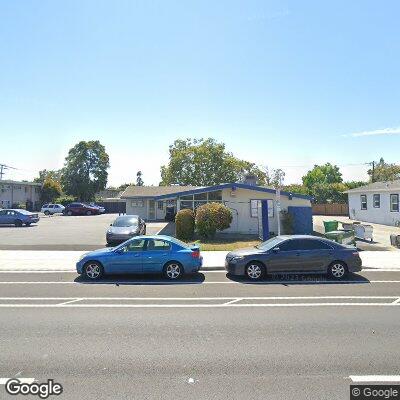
x: 113, y: 207
x: 330, y: 209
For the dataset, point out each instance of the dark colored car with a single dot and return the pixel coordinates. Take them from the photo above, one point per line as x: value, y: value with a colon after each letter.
x: 125, y: 227
x: 294, y: 254
x: 17, y: 217
x: 82, y: 209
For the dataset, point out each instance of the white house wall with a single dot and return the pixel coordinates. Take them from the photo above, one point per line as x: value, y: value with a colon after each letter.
x: 134, y: 210
x: 239, y: 203
x: 381, y: 215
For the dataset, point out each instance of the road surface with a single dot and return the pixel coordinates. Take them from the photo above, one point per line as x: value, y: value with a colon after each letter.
x: 205, y: 337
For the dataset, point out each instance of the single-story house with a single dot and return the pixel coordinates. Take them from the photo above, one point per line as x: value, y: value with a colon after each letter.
x: 243, y: 199
x: 377, y: 202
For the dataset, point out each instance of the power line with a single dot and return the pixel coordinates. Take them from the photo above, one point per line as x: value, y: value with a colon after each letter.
x: 4, y: 167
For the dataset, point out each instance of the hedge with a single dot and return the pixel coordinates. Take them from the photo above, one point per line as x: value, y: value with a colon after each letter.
x: 184, y: 221
x: 211, y: 217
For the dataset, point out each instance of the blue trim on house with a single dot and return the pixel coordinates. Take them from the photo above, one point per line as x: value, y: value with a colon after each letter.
x: 232, y: 186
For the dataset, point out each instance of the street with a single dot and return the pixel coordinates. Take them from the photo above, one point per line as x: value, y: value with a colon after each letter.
x: 207, y: 336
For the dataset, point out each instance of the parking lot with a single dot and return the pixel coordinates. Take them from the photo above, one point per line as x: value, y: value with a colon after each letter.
x: 60, y: 232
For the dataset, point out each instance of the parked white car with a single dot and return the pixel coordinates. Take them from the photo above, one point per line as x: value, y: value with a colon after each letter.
x: 50, y: 209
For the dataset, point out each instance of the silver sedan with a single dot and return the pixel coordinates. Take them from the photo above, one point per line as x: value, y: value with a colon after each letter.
x: 124, y: 227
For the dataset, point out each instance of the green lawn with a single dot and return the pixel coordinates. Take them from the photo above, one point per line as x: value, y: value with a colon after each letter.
x: 227, y: 243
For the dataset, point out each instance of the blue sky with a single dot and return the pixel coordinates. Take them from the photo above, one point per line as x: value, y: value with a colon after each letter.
x: 282, y: 83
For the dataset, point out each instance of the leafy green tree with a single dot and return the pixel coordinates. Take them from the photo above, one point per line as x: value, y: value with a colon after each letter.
x: 322, y: 174
x: 139, y: 180
x: 329, y: 193
x: 85, y: 170
x: 274, y: 177
x: 296, y: 188
x: 205, y: 162
x: 51, y: 189
x: 44, y: 173
x: 384, y: 172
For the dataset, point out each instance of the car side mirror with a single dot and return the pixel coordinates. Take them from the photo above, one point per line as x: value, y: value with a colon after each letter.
x: 276, y: 249
x: 119, y: 251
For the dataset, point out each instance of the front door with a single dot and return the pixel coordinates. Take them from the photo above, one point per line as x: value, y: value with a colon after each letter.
x: 129, y: 258
x: 156, y: 254
x: 152, y: 210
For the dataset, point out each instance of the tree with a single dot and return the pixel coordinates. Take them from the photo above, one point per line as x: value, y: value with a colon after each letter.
x: 322, y: 174
x: 85, y: 170
x: 51, y: 189
x: 54, y: 174
x: 383, y: 172
x: 205, y: 162
x: 274, y: 177
x: 139, y: 180
x: 296, y: 188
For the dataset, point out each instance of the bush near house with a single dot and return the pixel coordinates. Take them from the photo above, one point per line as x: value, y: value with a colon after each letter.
x: 212, y: 217
x: 184, y: 221
x: 64, y: 200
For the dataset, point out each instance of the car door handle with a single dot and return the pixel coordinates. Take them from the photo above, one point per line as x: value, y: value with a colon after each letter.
x: 298, y: 254
x: 136, y: 255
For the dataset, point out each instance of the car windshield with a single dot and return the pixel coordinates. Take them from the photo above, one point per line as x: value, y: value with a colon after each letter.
x: 269, y: 244
x: 125, y: 221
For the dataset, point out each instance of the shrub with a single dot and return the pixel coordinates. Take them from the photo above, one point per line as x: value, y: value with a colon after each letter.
x: 64, y: 200
x: 212, y: 217
x: 184, y: 220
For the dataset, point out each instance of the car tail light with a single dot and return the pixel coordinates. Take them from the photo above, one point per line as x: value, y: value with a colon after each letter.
x: 195, y: 253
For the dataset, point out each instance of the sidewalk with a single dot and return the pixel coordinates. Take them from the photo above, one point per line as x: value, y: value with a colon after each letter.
x: 11, y: 260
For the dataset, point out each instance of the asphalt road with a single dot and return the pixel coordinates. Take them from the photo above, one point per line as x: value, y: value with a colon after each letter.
x: 59, y: 232
x: 205, y: 337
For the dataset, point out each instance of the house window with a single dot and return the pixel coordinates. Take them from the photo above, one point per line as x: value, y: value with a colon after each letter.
x: 137, y: 203
x: 254, y: 208
x: 394, y: 202
x: 160, y: 205
x: 363, y: 201
x: 215, y: 196
x: 377, y: 200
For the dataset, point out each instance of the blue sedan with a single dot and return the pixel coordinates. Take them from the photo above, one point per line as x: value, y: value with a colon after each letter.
x: 142, y: 255
x: 17, y: 217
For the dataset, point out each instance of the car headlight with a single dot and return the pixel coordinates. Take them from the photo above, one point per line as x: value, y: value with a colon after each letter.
x: 237, y: 258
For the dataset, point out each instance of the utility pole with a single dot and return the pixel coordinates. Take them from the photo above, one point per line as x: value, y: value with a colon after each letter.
x: 372, y: 171
x: 3, y: 167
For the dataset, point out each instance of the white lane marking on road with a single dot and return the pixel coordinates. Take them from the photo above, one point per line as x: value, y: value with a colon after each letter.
x: 232, y: 301
x: 203, y: 298
x: 225, y: 302
x: 396, y: 301
x: 69, y: 302
x: 375, y: 378
x: 196, y: 305
x: 3, y: 381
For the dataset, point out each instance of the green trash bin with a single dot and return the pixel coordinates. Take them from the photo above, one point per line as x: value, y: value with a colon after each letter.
x: 343, y: 237
x: 331, y: 226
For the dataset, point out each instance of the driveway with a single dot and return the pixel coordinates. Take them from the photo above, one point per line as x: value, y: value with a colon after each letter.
x: 381, y: 233
x: 64, y: 233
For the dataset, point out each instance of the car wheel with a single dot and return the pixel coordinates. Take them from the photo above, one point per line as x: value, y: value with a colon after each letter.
x: 28, y: 224
x: 18, y: 223
x: 337, y: 270
x: 88, y: 212
x: 93, y: 270
x: 255, y: 270
x: 173, y: 270
x: 47, y: 212
x: 69, y: 213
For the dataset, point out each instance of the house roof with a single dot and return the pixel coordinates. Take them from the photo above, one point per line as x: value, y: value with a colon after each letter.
x: 154, y: 191
x: 9, y: 181
x: 377, y: 187
x: 164, y: 192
